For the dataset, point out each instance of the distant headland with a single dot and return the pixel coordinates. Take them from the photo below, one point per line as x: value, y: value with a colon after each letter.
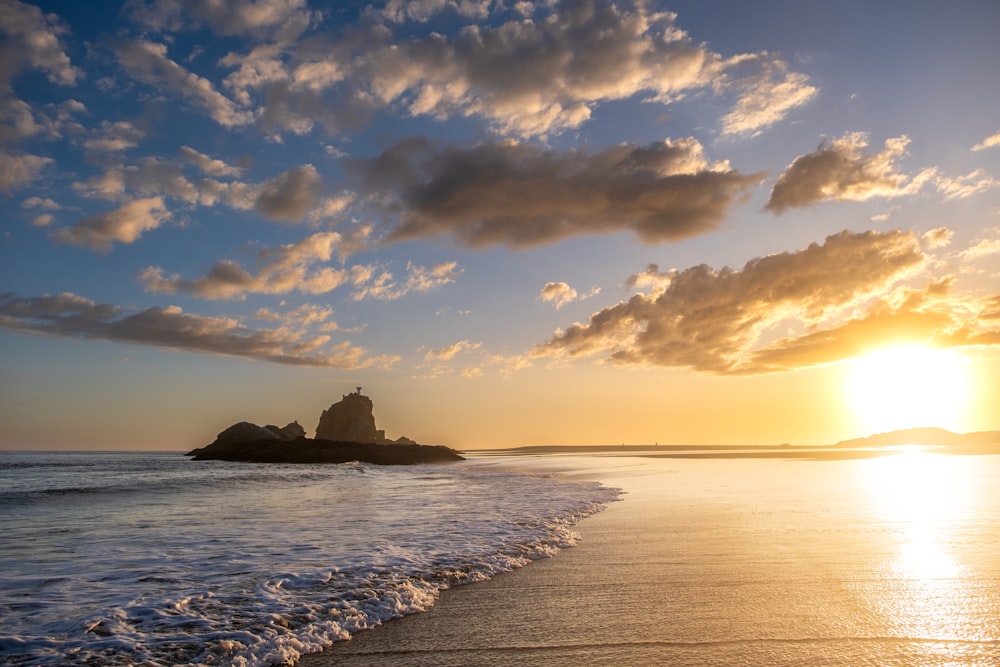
x: 346, y: 432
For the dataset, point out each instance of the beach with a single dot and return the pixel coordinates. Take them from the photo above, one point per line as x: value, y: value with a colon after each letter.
x: 735, y: 562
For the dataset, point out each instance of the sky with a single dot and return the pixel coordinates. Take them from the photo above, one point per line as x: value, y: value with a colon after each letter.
x: 510, y: 223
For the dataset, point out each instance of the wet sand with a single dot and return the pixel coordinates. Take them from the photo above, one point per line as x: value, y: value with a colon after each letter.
x: 617, y: 598
x: 703, y: 563
x: 569, y: 609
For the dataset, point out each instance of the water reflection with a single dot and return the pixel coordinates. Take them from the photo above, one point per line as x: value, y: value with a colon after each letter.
x: 922, y: 501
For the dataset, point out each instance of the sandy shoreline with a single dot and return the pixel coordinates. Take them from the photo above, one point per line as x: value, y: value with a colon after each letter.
x: 529, y: 616
x: 712, y: 563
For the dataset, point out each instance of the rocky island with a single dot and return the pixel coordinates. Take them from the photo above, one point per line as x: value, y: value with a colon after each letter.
x: 346, y: 432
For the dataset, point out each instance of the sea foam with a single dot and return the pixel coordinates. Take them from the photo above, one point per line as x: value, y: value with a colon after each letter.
x: 128, y: 558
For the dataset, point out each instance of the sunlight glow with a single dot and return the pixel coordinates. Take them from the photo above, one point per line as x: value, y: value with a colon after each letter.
x: 908, y: 386
x: 921, y: 501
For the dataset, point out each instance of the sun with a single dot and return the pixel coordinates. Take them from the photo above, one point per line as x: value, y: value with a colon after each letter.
x: 908, y: 386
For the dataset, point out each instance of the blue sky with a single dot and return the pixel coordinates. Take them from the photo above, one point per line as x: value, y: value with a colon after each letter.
x: 513, y: 223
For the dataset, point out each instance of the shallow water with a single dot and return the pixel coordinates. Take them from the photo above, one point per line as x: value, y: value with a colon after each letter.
x: 112, y: 558
x: 890, y: 561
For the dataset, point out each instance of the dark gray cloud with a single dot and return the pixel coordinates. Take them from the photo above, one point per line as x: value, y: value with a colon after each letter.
x: 291, y: 195
x: 71, y: 316
x: 524, y: 195
x: 714, y: 320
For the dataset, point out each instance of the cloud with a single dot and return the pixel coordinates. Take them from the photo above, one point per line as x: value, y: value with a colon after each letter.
x: 560, y: 294
x: 449, y: 352
x: 372, y: 283
x: 767, y: 97
x: 920, y: 316
x: 148, y: 62
x: 522, y: 195
x: 842, y: 171
x: 988, y: 142
x: 651, y: 279
x: 280, y: 270
x: 43, y: 220
x: 983, y: 248
x: 305, y: 316
x: 18, y: 170
x: 276, y: 19
x: 537, y: 69
x: 124, y: 225
x: 960, y: 187
x: 399, y: 11
x: 208, y: 165
x: 715, y: 320
x: 938, y: 238
x: 290, y: 195
x: 40, y: 202
x: 531, y: 77
x: 71, y: 316
x: 32, y: 40
x: 114, y: 137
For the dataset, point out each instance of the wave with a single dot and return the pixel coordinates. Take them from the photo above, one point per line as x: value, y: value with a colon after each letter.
x: 273, y: 562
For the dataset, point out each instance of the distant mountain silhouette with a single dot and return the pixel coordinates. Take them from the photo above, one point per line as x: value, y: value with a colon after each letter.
x: 925, y: 436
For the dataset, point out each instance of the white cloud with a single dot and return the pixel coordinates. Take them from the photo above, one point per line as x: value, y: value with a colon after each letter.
x: 714, y: 320
x: 560, y: 294
x: 208, y: 165
x: 124, y: 225
x: 766, y: 98
x: 113, y: 137
x: 988, y: 142
x: 983, y: 247
x: 274, y: 19
x: 938, y: 238
x: 279, y: 270
x: 373, y: 283
x: 449, y: 352
x: 33, y: 41
x: 524, y: 76
x: 960, y: 187
x: 843, y: 171
x: 40, y: 202
x: 18, y: 170
x: 148, y: 62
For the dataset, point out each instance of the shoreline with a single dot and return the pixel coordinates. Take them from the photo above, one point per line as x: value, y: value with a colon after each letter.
x: 707, y: 563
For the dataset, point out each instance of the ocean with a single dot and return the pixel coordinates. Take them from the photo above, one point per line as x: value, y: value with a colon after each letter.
x: 132, y: 558
x: 889, y: 561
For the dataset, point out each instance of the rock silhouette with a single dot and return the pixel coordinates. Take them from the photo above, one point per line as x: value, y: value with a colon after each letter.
x: 346, y: 432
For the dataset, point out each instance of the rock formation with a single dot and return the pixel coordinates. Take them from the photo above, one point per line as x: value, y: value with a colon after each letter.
x: 248, y: 432
x: 346, y: 432
x: 350, y: 420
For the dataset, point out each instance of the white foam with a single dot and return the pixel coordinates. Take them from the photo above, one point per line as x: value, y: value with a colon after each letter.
x: 186, y: 563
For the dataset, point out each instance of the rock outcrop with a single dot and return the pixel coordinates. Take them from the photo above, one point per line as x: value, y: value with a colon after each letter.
x: 305, y: 450
x: 247, y: 432
x: 346, y: 432
x: 350, y: 420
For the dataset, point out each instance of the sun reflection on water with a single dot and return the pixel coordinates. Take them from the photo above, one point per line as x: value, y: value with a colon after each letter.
x: 921, y: 497
x: 921, y: 501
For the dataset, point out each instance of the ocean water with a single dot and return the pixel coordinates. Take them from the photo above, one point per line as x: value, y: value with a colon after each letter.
x: 150, y: 558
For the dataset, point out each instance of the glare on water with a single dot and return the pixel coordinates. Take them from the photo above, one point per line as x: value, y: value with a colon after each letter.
x: 923, y: 501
